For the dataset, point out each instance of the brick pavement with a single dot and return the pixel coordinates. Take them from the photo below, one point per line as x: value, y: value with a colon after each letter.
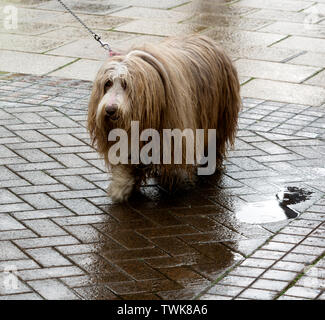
x: 65, y: 240
x: 59, y: 232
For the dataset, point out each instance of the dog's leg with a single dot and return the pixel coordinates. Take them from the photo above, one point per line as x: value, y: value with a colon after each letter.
x: 122, y: 184
x: 180, y: 179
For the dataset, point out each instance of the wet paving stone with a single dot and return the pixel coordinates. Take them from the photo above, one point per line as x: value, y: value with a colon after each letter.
x: 53, y: 289
x: 70, y: 242
x: 81, y: 6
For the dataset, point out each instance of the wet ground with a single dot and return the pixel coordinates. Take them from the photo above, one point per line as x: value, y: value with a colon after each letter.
x: 246, y: 233
x: 67, y: 240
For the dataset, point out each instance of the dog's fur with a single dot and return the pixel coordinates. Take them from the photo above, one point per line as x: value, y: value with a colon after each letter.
x: 186, y: 82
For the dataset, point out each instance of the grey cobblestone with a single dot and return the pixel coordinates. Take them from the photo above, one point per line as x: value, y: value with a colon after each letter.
x: 59, y: 228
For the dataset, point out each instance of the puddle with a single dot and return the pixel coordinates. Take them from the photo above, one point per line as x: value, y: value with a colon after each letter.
x: 274, y: 210
x: 293, y: 195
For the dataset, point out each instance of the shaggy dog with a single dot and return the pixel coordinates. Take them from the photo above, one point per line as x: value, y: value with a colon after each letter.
x: 186, y: 82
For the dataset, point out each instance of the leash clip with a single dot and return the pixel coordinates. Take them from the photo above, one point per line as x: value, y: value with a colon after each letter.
x: 105, y: 45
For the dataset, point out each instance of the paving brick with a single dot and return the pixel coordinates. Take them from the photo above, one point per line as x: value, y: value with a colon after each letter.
x: 37, y: 177
x: 274, y: 71
x: 143, y: 253
x: 267, y: 254
x: 167, y: 231
x: 21, y: 264
x: 9, y: 223
x: 41, y: 201
x: 302, y: 292
x: 66, y: 140
x: 8, y: 251
x: 53, y: 289
x: 48, y: 257
x: 278, y: 246
x: 236, y: 280
x: 86, y: 233
x: 308, y: 250
x: 46, y: 273
x: 70, y: 160
x: 77, y: 248
x: 96, y: 293
x: 15, y: 207
x: 45, y: 227
x: 11, y: 287
x: 16, y: 234
x: 288, y: 266
x: 139, y: 270
x: 132, y: 240
x: 46, y: 241
x: 246, y: 271
x: 42, y: 214
x: 69, y: 221
x: 62, y: 122
x: 22, y: 296
x: 279, y: 275
x: 130, y: 287
x: 225, y: 290
x: 214, y: 297
x: 34, y: 155
x: 267, y: 284
x: 35, y: 166
x: 77, y: 194
x: 257, y: 294
x: 76, y: 183
x: 81, y: 206
x: 67, y: 239
x: 257, y: 263
x: 95, y: 279
x: 38, y: 189
x: 8, y: 197
x: 299, y: 258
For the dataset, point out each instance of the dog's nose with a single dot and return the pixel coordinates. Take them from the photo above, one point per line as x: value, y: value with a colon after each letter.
x: 111, y: 110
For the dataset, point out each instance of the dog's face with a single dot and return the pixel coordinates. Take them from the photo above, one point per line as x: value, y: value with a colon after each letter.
x: 127, y: 88
x: 113, y: 102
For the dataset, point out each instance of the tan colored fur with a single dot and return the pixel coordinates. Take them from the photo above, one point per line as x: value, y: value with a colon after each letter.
x: 186, y: 82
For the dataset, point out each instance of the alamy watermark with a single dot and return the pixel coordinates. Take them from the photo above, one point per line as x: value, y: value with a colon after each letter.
x: 165, y: 149
x: 10, y: 17
x: 8, y: 278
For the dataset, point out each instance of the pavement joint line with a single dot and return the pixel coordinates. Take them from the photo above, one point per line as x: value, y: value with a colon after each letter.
x: 283, y: 122
x: 234, y: 267
x: 275, y: 42
x: 57, y: 47
x: 263, y: 26
x: 313, y: 75
x: 286, y: 253
x: 178, y: 6
x: 253, y: 252
x: 248, y: 80
x: 311, y: 5
x: 295, y: 280
x: 294, y: 56
x: 68, y: 99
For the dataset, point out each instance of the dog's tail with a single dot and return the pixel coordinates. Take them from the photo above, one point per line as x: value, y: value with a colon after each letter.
x: 229, y: 104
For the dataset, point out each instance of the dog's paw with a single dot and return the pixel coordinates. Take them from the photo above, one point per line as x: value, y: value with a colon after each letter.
x: 120, y: 193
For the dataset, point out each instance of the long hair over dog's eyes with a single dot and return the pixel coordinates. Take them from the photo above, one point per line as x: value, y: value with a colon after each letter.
x: 108, y: 85
x: 123, y: 84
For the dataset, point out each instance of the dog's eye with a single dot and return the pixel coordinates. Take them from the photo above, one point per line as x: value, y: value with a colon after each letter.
x: 108, y: 84
x: 123, y: 84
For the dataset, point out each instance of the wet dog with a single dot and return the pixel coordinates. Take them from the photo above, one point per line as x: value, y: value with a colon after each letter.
x: 180, y: 83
